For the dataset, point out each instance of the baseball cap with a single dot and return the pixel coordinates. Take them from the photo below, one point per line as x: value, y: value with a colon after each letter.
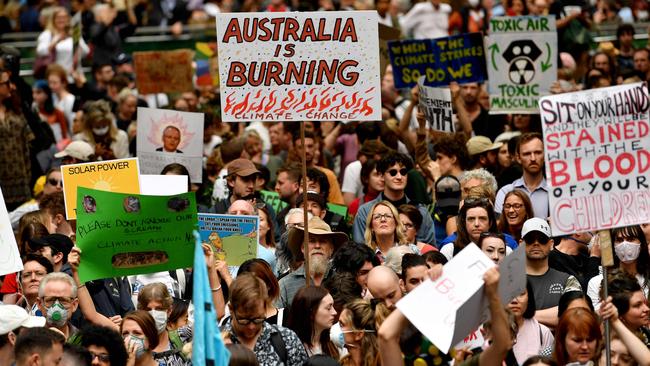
x: 480, y: 144
x: 448, y: 191
x: 13, y: 316
x: 506, y: 136
x: 121, y: 59
x: 80, y: 150
x: 242, y: 167
x: 536, y: 224
x: 59, y: 242
x: 312, y: 196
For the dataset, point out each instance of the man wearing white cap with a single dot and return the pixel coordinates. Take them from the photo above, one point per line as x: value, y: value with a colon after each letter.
x: 548, y: 284
x: 76, y: 152
x: 14, y: 318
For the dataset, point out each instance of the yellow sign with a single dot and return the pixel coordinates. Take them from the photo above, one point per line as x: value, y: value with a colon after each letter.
x: 119, y: 176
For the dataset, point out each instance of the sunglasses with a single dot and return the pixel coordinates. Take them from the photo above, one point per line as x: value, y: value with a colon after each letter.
x: 103, y: 357
x: 54, y: 182
x: 402, y: 172
x: 533, y: 237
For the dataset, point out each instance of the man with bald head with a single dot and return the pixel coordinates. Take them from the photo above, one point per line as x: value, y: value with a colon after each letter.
x: 383, y: 284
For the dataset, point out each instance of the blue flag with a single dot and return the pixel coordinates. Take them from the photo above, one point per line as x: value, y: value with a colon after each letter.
x: 207, y: 346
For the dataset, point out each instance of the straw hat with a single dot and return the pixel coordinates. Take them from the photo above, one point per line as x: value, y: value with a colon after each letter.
x: 316, y: 226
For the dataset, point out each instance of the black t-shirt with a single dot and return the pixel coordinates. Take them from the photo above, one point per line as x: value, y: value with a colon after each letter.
x: 548, y: 288
x: 488, y: 125
x: 581, y: 266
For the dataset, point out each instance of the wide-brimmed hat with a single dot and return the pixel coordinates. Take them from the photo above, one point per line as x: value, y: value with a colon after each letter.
x: 316, y: 226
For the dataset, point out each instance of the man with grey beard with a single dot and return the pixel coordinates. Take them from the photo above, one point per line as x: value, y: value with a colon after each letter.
x: 322, y: 245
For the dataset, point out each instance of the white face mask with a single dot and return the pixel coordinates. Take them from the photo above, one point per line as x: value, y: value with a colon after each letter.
x: 101, y: 131
x: 473, y: 3
x: 642, y: 15
x: 160, y: 317
x: 627, y: 251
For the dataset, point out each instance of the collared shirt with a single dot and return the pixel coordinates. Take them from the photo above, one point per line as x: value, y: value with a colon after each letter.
x: 289, y: 286
x: 538, y: 196
x: 264, y: 351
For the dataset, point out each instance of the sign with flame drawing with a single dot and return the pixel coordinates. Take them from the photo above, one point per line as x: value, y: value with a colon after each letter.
x: 167, y: 136
x: 299, y: 66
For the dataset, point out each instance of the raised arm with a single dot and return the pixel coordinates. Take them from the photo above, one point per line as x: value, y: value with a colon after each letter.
x: 635, y: 346
x: 502, y: 342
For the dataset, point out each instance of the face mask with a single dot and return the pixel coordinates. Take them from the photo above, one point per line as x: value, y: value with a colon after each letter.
x: 473, y: 3
x: 336, y: 335
x: 57, y: 315
x: 139, y: 345
x: 642, y: 15
x: 160, y: 317
x: 101, y: 131
x: 627, y: 252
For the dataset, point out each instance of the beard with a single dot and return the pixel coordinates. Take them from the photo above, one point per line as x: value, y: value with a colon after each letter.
x: 317, y: 265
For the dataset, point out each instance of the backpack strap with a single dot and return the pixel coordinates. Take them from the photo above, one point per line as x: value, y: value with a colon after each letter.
x: 177, y: 343
x: 279, y: 346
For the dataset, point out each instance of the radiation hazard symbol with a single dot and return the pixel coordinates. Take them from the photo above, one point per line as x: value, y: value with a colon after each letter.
x: 521, y: 56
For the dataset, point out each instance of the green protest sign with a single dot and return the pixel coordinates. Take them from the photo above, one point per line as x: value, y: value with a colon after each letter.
x: 338, y: 209
x: 273, y: 199
x: 125, y: 234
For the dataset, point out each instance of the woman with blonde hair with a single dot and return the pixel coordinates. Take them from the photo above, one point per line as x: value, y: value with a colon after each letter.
x: 56, y: 43
x: 359, y: 322
x: 101, y: 133
x: 384, y: 230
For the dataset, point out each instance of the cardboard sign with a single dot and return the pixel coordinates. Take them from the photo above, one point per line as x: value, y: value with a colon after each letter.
x: 167, y: 136
x: 273, y: 199
x: 435, y: 103
x: 458, y: 58
x: 10, y: 261
x: 163, y: 71
x: 207, y: 64
x: 163, y: 185
x: 522, y: 62
x: 597, y: 152
x: 127, y: 234
x: 120, y: 176
x: 232, y: 237
x: 299, y: 66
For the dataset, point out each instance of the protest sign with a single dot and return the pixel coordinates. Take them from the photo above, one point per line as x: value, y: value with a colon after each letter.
x: 163, y: 71
x: 232, y: 237
x: 597, y: 158
x: 127, y: 234
x: 386, y: 34
x: 461, y: 280
x: 435, y: 103
x: 10, y: 261
x: 273, y: 199
x: 166, y: 136
x: 522, y: 62
x: 458, y: 58
x: 163, y: 185
x: 299, y: 66
x: 207, y: 64
x: 120, y: 176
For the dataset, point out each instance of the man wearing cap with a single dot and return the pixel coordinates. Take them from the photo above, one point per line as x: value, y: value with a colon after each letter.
x: 54, y: 247
x: 76, y: 152
x: 530, y: 154
x: 241, y: 178
x: 483, y: 152
x: 548, y: 284
x: 14, y: 318
x: 322, y: 245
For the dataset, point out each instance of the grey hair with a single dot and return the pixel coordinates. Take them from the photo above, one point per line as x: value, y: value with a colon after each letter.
x: 295, y: 211
x: 57, y: 276
x: 394, y: 257
x: 482, y: 175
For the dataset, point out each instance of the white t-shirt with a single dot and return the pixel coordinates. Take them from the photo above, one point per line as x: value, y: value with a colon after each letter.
x: 352, y: 179
x: 423, y: 21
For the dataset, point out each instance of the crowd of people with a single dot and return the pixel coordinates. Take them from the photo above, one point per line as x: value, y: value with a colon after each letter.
x: 415, y: 198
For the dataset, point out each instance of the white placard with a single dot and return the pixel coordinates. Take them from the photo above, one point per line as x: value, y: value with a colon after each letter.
x: 435, y: 103
x: 10, y: 261
x: 163, y: 185
x: 168, y: 136
x: 294, y: 66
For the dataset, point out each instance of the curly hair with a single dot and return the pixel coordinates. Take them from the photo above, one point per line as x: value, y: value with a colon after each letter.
x: 94, y: 335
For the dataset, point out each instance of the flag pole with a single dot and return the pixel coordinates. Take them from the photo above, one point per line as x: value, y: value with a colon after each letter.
x: 607, y: 260
x: 305, y: 238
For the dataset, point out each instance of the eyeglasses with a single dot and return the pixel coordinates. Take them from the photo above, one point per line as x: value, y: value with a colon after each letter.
x: 533, y: 237
x: 37, y: 274
x: 54, y: 182
x: 402, y: 172
x: 514, y: 206
x: 386, y: 216
x: 63, y: 300
x: 247, y: 321
x: 103, y: 357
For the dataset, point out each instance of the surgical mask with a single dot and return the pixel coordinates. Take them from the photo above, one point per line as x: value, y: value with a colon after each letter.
x: 139, y: 345
x: 101, y: 131
x: 627, y: 251
x: 56, y: 315
x: 336, y: 335
x: 160, y: 317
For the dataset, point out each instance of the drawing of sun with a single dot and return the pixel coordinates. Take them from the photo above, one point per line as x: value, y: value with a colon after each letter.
x: 103, y: 183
